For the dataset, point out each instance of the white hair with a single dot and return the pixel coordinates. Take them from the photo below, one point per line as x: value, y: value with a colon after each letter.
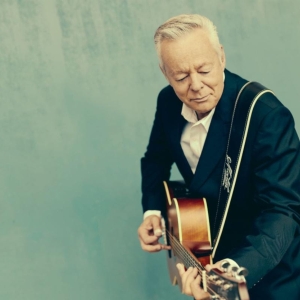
x: 179, y: 26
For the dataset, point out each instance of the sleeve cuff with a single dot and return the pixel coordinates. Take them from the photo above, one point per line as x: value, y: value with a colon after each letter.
x: 151, y: 212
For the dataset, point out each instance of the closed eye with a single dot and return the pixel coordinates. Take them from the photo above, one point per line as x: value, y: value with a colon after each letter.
x: 181, y: 79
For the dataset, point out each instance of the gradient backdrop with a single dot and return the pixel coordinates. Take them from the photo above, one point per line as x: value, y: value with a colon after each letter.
x: 78, y: 85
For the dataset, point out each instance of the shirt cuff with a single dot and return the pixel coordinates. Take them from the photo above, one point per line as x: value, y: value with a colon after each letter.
x: 152, y: 212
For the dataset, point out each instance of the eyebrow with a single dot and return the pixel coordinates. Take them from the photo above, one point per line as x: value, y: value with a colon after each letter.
x: 179, y: 72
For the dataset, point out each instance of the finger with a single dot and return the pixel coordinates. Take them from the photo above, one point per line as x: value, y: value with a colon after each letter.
x: 146, y: 237
x: 151, y: 248
x: 186, y: 279
x: 154, y: 248
x: 180, y: 269
x: 197, y: 292
x: 146, y: 224
x: 197, y: 280
x: 145, y: 232
x: 165, y: 247
x: 192, y: 276
x: 150, y: 224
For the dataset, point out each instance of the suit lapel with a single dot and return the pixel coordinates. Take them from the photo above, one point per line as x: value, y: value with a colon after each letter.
x: 216, y: 141
x: 181, y: 160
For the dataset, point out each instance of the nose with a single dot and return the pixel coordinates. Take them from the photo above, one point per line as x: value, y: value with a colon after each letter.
x: 196, y: 82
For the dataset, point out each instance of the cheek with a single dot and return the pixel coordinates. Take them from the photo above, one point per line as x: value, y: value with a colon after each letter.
x: 181, y: 90
x: 215, y: 84
x: 218, y: 91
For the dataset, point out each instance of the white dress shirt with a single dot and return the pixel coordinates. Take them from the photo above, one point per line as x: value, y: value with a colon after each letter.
x: 194, y: 135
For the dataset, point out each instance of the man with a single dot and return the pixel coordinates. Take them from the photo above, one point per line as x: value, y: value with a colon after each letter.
x: 191, y: 128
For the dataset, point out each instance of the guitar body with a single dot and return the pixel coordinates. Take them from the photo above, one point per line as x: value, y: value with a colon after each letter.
x: 188, y: 221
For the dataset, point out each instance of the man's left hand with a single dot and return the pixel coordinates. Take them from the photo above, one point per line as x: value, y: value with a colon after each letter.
x: 191, y: 281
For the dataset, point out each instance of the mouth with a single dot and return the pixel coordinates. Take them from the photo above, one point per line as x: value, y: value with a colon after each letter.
x: 200, y: 99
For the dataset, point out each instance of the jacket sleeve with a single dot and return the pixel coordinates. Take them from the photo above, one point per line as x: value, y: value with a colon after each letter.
x: 277, y: 194
x: 156, y: 163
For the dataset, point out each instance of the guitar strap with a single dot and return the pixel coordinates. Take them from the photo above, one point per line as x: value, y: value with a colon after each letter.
x: 241, y: 117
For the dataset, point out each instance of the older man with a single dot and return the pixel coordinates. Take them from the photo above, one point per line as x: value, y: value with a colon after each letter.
x: 191, y: 128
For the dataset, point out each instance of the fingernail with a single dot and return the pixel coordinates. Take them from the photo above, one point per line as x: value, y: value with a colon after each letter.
x: 157, y: 232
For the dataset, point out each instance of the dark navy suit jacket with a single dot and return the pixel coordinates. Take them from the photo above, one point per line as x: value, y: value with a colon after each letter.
x: 261, y: 231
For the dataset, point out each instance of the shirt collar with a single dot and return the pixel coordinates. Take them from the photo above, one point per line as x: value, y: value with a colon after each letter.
x: 191, y: 116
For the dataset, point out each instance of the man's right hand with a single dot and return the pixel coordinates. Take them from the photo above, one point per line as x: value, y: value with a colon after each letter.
x: 149, y: 233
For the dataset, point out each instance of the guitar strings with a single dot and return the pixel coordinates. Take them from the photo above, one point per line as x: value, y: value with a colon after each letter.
x: 187, y: 258
x: 185, y: 253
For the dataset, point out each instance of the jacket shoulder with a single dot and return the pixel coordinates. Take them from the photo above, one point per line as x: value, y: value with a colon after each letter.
x: 267, y: 103
x: 168, y: 101
x: 167, y: 94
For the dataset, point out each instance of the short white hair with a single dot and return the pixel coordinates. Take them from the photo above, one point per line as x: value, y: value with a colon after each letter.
x: 179, y: 26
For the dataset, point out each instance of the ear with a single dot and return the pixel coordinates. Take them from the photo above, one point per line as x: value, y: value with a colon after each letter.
x: 222, y: 57
x: 164, y: 72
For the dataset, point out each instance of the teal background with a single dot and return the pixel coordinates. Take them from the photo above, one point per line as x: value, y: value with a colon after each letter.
x: 78, y: 86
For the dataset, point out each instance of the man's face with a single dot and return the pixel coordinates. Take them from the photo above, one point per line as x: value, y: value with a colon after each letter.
x: 195, y: 70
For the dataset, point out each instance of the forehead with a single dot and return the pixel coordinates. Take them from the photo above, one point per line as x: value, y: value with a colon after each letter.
x: 193, y: 48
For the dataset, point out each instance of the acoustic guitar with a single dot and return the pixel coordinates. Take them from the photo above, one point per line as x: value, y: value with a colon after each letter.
x: 187, y: 231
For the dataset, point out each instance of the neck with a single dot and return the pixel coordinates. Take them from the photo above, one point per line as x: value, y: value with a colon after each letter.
x: 201, y: 115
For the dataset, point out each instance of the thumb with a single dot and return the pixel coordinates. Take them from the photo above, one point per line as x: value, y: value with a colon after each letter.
x: 208, y: 267
x: 156, y: 224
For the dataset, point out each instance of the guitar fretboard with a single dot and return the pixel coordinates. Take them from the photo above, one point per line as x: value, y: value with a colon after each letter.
x: 181, y: 252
